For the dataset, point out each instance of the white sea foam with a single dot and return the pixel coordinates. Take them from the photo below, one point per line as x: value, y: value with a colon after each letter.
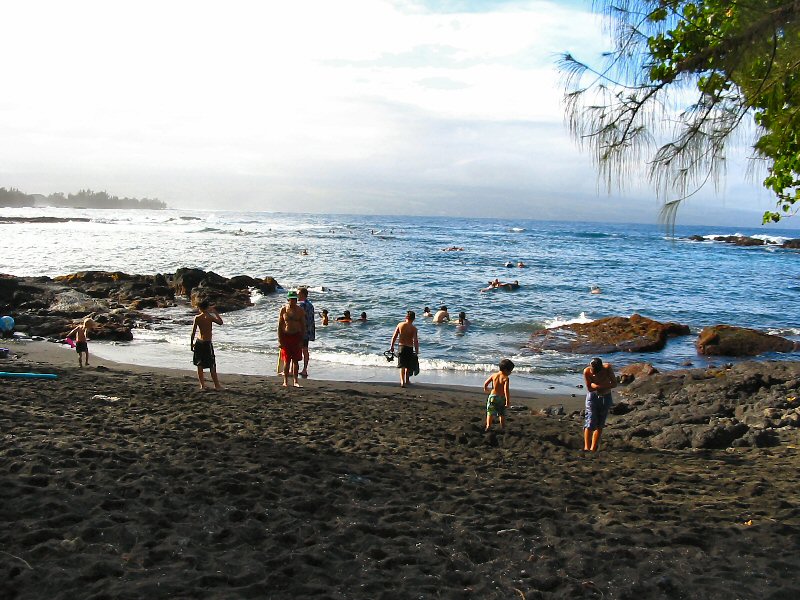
x: 771, y: 239
x: 784, y: 332
x: 257, y: 297
x: 558, y: 320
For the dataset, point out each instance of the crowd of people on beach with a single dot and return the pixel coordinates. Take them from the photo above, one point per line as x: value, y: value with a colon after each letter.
x: 297, y: 329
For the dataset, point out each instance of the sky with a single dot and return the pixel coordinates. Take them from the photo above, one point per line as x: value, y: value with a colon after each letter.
x: 409, y: 107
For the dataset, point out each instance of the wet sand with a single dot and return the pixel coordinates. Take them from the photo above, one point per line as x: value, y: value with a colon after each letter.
x: 128, y: 482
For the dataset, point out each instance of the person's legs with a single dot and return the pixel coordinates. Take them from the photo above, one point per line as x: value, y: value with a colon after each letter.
x: 215, y: 378
x: 286, y: 366
x: 304, y: 371
x: 403, y: 377
x: 587, y: 439
x: 596, y: 440
x: 80, y: 359
x: 87, y: 356
x: 295, y: 370
x: 601, y: 410
x: 201, y: 377
x: 502, y: 420
x: 488, y: 421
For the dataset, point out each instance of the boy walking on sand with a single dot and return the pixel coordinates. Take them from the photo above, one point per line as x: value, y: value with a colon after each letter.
x: 499, y: 397
x: 81, y: 341
x: 202, y: 347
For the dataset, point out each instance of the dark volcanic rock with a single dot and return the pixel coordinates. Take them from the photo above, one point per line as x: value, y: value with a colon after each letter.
x: 51, y: 307
x: 222, y: 298
x: 739, y: 240
x: 610, y: 334
x: 186, y: 280
x: 225, y: 294
x: 749, y: 404
x: 629, y: 373
x: 718, y: 435
x: 116, y: 329
x: 727, y: 340
x: 8, y: 285
x: 42, y: 325
x: 794, y: 244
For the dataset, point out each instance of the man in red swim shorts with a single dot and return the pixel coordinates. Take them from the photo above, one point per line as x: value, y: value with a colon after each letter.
x: 291, y: 331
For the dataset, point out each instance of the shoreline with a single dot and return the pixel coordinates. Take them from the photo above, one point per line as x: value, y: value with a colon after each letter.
x: 62, y: 357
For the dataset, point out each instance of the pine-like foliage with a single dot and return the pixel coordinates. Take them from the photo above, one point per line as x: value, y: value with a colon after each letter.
x: 679, y: 83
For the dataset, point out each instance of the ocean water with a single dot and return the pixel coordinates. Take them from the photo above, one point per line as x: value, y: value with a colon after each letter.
x: 387, y: 265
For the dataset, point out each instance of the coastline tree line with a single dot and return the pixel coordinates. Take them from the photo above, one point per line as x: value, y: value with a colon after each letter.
x: 14, y: 198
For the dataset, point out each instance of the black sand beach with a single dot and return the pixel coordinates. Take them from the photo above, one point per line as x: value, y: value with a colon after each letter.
x: 128, y: 482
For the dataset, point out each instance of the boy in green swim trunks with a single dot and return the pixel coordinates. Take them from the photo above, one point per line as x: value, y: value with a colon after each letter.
x: 499, y: 397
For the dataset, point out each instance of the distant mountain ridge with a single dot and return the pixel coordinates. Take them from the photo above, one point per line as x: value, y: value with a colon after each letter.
x: 13, y: 197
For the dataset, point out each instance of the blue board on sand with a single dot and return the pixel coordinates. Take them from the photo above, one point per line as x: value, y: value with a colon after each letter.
x: 29, y: 375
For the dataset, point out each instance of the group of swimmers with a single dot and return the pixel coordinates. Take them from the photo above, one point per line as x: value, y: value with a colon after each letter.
x: 344, y: 318
x: 497, y: 284
x: 442, y: 316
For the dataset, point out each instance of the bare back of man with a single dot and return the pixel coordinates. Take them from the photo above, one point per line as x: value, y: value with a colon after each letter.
x: 407, y: 334
x: 204, y: 322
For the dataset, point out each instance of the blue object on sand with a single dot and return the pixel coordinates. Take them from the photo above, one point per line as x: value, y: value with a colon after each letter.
x: 28, y: 375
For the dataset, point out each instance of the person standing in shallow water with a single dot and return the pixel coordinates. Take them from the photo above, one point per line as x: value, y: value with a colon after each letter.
x: 600, y: 380
x: 291, y: 331
x: 311, y: 328
x: 408, y: 355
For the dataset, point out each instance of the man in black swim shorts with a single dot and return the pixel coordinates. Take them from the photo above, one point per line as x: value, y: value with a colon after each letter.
x: 407, y: 358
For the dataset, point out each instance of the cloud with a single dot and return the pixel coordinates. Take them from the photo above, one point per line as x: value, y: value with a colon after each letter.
x: 362, y: 105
